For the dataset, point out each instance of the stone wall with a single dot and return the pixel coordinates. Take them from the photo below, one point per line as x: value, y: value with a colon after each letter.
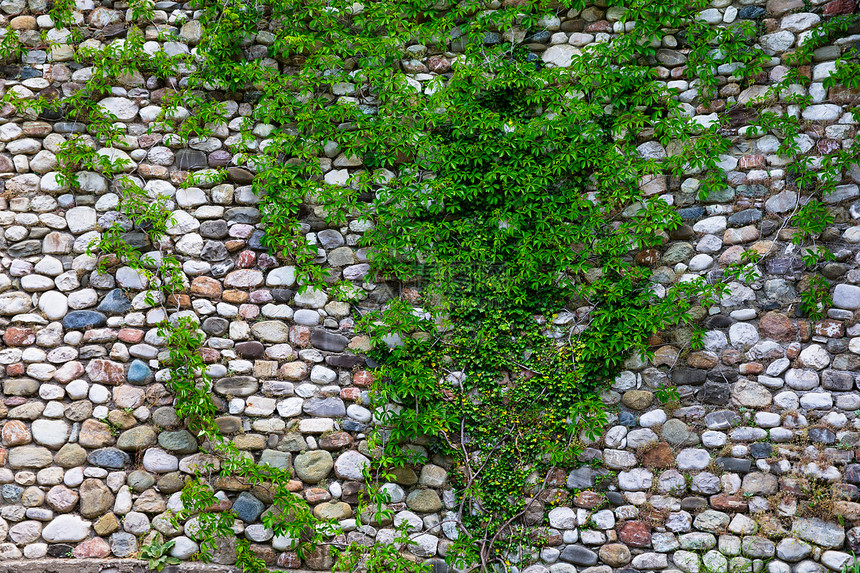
x: 755, y: 470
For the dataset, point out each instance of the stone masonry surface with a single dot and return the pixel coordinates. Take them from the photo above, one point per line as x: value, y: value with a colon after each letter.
x: 93, y: 455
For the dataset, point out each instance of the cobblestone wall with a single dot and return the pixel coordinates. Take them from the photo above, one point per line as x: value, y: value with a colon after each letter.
x: 756, y: 470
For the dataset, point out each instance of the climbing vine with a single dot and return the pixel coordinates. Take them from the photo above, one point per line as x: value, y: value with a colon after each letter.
x: 520, y: 206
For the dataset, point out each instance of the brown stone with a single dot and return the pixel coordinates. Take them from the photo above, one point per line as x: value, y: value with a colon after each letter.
x: 836, y: 7
x: 362, y: 378
x: 335, y: 441
x: 776, y: 326
x: 830, y: 328
x: 729, y: 502
x: 665, y: 356
x: 106, y: 524
x: 264, y: 552
x: 234, y: 296
x: 206, y: 287
x: 847, y: 509
x: 15, y: 433
x: 637, y: 399
x: 18, y: 336
x: 615, y: 554
x: 588, y: 499
x: 780, y: 7
x: 635, y: 534
x: 320, y: 558
x: 659, y: 456
x: 317, y: 495
x: 751, y: 368
x: 96, y: 498
x: 95, y: 434
x: 702, y: 359
x: 289, y: 560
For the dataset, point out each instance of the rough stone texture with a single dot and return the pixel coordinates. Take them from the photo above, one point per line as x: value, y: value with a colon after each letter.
x: 92, y: 453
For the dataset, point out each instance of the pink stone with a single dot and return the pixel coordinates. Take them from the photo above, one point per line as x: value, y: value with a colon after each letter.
x: 246, y: 259
x: 260, y: 296
x: 106, y: 372
x: 95, y: 548
x: 249, y: 311
x: 241, y: 231
x: 245, y: 278
x: 68, y: 372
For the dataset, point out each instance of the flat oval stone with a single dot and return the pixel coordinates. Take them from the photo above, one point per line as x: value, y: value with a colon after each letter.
x: 111, y: 458
x: 236, y: 386
x: 83, y: 319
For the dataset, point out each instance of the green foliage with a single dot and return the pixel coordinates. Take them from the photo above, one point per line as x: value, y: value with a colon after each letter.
x: 514, y: 199
x: 157, y: 553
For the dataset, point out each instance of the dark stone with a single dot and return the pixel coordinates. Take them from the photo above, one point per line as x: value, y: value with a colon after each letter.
x: 214, y: 251
x: 181, y: 442
x: 846, y: 362
x: 751, y: 13
x: 852, y: 473
x: 222, y: 268
x: 683, y: 376
x: 139, y: 373
x: 137, y: 240
x: 734, y: 465
x: 541, y: 37
x: 437, y: 565
x: 745, y: 217
x: 760, y: 450
x: 220, y: 158
x: 691, y: 213
x: 752, y: 190
x: 325, y: 340
x: 247, y: 215
x: 344, y: 360
x: 247, y: 507
x: 582, y: 478
x: 188, y: 159
x: 252, y: 349
x: 693, y: 503
x: 213, y: 229
x: 215, y: 326
x: 715, y: 393
x: 837, y: 380
x: 821, y: 436
x: 59, y: 549
x: 579, y: 555
x: 682, y: 233
x: 723, y: 374
x: 255, y: 241
x: 25, y: 249
x: 83, y: 319
x: 115, y: 302
x: 239, y: 175
x: 352, y: 426
x: 627, y: 419
x: 111, y: 458
x: 846, y: 492
x: 718, y: 321
x: 282, y: 294
x: 615, y: 498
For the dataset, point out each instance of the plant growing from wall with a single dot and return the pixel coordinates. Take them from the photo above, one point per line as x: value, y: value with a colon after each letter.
x: 523, y: 202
